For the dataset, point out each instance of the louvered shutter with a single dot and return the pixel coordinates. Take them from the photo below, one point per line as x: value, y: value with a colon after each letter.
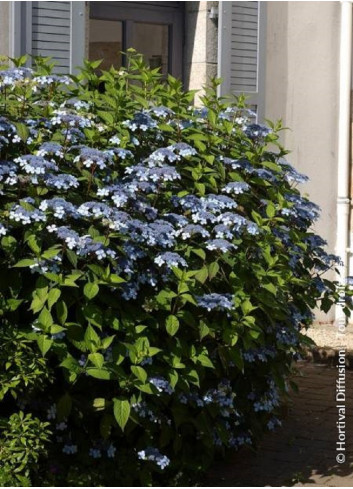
x: 241, y: 51
x: 51, y: 26
x: 55, y: 29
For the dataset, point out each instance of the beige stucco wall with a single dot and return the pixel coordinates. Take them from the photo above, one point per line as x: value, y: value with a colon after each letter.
x: 4, y: 28
x: 200, y: 52
x: 302, y: 89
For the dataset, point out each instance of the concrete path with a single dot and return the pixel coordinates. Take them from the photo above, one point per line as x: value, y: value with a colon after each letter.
x: 327, y: 336
x: 303, y: 451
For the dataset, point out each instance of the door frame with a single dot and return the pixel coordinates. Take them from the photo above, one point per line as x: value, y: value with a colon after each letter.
x: 167, y: 13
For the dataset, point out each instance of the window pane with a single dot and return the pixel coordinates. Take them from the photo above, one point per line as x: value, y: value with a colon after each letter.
x: 151, y: 40
x: 106, y: 42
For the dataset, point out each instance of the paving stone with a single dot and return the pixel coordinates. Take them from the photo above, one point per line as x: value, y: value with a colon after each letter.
x: 303, y: 452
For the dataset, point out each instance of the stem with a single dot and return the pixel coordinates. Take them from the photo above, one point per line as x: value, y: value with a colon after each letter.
x: 93, y: 169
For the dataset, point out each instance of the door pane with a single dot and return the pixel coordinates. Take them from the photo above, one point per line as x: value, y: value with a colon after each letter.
x: 151, y: 40
x: 106, y: 42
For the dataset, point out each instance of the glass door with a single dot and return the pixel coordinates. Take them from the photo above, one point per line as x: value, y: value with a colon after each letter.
x: 154, y: 29
x: 106, y: 42
x: 152, y: 40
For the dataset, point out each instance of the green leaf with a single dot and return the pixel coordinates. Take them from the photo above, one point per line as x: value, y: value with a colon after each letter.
x: 64, y: 406
x: 197, y: 137
x: 121, y: 412
x: 212, y: 117
x: 247, y: 307
x: 24, y: 263
x: 116, y: 324
x: 106, y: 116
x: 202, y: 275
x: 238, y: 359
x: 98, y: 373
x: 209, y: 159
x: 166, y: 128
x: 230, y: 337
x: 51, y: 252
x: 115, y: 279
x: 13, y: 304
x: 146, y: 388
x: 97, y: 270
x: 91, y: 337
x: 72, y: 257
x: 257, y: 218
x: 254, y: 334
x: 270, y: 287
x: 44, y: 344
x: 45, y: 318
x: 8, y: 243
x: 270, y: 210
x: 33, y: 243
x: 205, y: 361
x: 165, y: 297
x: 90, y: 290
x: 326, y: 304
x: 99, y: 403
x: 213, y: 269
x: 53, y: 297
x: 139, y: 372
x: 93, y: 314
x: 201, y: 188
x: 193, y: 377
x: 188, y: 298
x: 61, y: 312
x: 140, y: 328
x: 56, y: 328
x: 37, y: 304
x: 199, y: 252
x: 22, y: 130
x: 204, y: 329
x: 97, y: 359
x: 172, y: 324
x: 271, y: 166
x: 71, y: 364
x: 95, y: 64
x: 173, y: 378
x: 106, y: 342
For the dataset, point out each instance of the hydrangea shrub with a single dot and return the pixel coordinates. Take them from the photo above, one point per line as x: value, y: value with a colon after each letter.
x: 157, y: 266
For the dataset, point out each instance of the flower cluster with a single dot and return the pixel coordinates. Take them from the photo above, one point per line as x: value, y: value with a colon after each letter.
x: 170, y: 260
x: 154, y: 455
x: 161, y: 385
x: 216, y: 301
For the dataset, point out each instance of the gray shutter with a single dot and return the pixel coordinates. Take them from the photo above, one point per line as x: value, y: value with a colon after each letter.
x: 241, y: 51
x: 55, y: 29
x: 51, y: 33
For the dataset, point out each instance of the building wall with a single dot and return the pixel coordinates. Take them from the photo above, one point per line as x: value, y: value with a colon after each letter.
x: 5, y: 29
x: 200, y: 50
x: 302, y: 89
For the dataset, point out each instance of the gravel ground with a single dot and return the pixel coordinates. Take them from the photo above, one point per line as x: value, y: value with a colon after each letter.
x: 327, y: 336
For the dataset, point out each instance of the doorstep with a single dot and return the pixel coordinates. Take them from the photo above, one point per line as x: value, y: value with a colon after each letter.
x: 328, y: 343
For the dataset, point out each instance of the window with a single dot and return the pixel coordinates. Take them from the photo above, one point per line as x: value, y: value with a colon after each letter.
x: 154, y: 29
x: 152, y: 40
x: 106, y: 42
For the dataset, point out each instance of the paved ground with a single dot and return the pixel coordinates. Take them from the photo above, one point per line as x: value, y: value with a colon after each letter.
x: 303, y: 451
